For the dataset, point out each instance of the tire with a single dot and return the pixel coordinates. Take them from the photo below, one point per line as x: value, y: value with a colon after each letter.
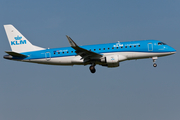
x: 92, y: 69
x: 154, y: 65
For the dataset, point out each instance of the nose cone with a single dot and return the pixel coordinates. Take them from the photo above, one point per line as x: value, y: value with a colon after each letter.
x: 172, y: 50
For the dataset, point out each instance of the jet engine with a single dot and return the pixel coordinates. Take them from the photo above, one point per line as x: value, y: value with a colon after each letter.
x: 111, y: 60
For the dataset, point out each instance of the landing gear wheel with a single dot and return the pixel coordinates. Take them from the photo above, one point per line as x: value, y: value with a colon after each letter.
x: 92, y: 69
x: 154, y: 60
x: 154, y: 65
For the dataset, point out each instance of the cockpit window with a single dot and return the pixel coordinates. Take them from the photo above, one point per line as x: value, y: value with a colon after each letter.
x: 161, y: 43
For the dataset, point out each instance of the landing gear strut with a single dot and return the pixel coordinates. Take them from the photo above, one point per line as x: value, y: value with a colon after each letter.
x: 92, y: 68
x: 154, y: 60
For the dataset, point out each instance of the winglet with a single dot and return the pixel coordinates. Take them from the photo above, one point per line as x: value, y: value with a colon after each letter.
x: 71, y: 42
x: 84, y: 53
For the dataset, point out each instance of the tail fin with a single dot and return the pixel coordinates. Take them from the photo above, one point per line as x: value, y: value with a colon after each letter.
x: 18, y: 42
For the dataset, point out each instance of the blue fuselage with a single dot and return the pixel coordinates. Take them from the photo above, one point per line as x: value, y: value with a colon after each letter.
x: 143, y: 46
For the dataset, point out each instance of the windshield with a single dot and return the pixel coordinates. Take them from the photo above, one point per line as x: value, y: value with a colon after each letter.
x: 161, y: 43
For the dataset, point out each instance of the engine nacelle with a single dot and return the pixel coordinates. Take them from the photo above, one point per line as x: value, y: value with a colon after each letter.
x: 113, y: 65
x: 111, y: 60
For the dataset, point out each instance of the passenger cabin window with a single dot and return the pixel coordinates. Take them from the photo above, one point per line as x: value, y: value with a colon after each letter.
x: 139, y: 45
x: 103, y: 48
x: 125, y: 46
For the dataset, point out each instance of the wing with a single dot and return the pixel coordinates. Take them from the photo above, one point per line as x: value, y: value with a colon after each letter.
x: 85, y: 54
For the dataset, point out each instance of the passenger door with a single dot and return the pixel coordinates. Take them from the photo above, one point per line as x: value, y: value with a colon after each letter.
x: 150, y: 47
x: 48, y: 56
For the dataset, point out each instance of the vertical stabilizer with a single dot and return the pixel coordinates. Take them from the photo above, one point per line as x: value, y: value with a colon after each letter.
x: 18, y: 42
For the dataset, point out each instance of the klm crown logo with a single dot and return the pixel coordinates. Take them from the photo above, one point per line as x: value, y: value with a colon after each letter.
x: 18, y: 41
x: 118, y: 44
x: 112, y: 58
x: 18, y: 38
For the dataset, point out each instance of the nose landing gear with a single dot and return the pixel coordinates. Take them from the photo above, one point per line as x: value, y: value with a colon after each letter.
x: 154, y: 60
x: 92, y: 68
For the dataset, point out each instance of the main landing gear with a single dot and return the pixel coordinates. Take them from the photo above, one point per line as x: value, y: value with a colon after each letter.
x: 92, y: 68
x: 154, y: 60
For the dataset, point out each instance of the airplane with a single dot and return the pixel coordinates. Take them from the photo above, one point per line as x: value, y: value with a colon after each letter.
x: 109, y: 55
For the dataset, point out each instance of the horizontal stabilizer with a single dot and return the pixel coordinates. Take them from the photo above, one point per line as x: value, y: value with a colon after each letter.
x: 14, y: 54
